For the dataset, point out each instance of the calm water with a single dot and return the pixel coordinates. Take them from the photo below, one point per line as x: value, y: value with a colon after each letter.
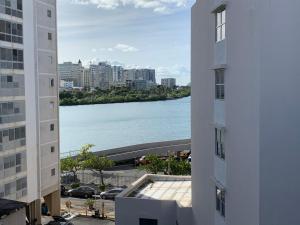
x: 117, y: 125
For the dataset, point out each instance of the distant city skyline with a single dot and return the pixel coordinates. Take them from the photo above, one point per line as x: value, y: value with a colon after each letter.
x: 153, y: 35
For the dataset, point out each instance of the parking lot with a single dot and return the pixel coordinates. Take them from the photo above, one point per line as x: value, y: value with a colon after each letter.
x: 78, y: 206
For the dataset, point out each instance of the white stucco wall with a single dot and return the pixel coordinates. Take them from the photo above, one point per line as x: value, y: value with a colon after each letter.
x: 261, y: 113
x: 202, y: 114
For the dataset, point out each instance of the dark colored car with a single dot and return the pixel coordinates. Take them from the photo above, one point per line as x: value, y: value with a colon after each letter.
x: 62, y: 190
x: 111, y: 194
x: 82, y: 192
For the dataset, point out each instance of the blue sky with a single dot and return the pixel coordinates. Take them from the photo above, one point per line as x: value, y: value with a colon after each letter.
x: 134, y: 33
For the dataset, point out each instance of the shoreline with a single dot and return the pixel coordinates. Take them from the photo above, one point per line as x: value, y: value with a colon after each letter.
x: 119, y: 102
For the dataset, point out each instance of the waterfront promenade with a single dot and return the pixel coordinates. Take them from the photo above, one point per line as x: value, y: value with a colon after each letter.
x: 135, y: 151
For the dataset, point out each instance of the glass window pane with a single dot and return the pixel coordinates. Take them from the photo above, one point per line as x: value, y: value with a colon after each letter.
x: 219, y: 19
x: 224, y: 16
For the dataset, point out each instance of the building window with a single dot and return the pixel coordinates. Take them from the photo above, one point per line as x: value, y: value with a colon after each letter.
x: 11, y: 32
x: 220, y: 24
x: 52, y: 82
x: 51, y: 106
x: 49, y: 13
x: 49, y: 36
x: 53, y: 172
x: 220, y: 201
x: 220, y: 84
x: 52, y: 127
x: 11, y: 7
x: 219, y: 143
x: 52, y: 149
x: 144, y: 221
x: 51, y: 59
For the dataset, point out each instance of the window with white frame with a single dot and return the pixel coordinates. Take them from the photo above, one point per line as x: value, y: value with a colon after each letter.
x: 52, y: 106
x: 220, y: 201
x: 219, y: 143
x: 220, y: 24
x: 220, y: 84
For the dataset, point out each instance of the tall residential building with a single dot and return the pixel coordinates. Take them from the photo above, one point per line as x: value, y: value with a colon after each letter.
x: 245, y: 112
x: 168, y: 82
x: 101, y: 75
x: 146, y: 74
x: 87, y: 78
x: 69, y: 71
x: 29, y: 136
x: 117, y: 74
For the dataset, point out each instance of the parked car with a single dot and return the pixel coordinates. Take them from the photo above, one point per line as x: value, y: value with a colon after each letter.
x: 111, y: 194
x: 82, y: 192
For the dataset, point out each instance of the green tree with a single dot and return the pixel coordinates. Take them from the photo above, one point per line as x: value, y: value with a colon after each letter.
x: 154, y: 164
x: 177, y: 167
x: 70, y: 164
x: 98, y: 164
x: 85, y: 152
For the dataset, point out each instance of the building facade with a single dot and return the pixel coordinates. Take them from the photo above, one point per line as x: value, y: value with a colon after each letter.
x: 29, y: 135
x: 245, y: 123
x: 87, y: 78
x: 117, y: 74
x: 168, y: 82
x: 101, y: 75
x: 69, y: 71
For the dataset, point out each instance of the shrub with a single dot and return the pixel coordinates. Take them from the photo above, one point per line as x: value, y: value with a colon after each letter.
x: 76, y: 185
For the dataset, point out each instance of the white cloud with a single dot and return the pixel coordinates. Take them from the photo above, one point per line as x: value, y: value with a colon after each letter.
x: 94, y: 50
x: 119, y: 47
x: 126, y: 48
x: 158, y: 6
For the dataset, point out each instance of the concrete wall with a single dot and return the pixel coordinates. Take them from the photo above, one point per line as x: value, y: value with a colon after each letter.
x: 261, y: 112
x: 202, y: 113
x: 17, y: 218
x: 279, y: 111
x: 130, y: 210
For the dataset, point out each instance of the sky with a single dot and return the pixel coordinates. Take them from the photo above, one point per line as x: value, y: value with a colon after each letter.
x: 133, y: 33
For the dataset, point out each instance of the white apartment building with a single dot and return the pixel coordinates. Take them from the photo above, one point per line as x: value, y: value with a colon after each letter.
x: 168, y: 82
x: 117, y: 74
x: 245, y: 112
x: 69, y: 71
x: 101, y: 75
x: 87, y: 78
x: 29, y: 135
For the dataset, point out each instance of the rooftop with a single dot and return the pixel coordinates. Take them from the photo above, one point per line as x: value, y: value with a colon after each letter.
x: 158, y: 187
x: 8, y: 206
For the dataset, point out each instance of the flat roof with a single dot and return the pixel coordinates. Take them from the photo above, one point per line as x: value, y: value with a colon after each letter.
x: 165, y: 188
x: 9, y: 206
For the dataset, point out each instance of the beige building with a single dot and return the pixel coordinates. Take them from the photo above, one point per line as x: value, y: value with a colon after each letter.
x: 29, y: 131
x: 69, y: 71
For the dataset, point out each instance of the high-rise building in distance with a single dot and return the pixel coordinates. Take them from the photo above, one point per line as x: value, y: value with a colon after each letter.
x: 29, y: 135
x: 168, y: 82
x: 69, y: 71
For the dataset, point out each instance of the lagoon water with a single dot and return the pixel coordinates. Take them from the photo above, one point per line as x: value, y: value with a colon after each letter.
x: 117, y: 125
